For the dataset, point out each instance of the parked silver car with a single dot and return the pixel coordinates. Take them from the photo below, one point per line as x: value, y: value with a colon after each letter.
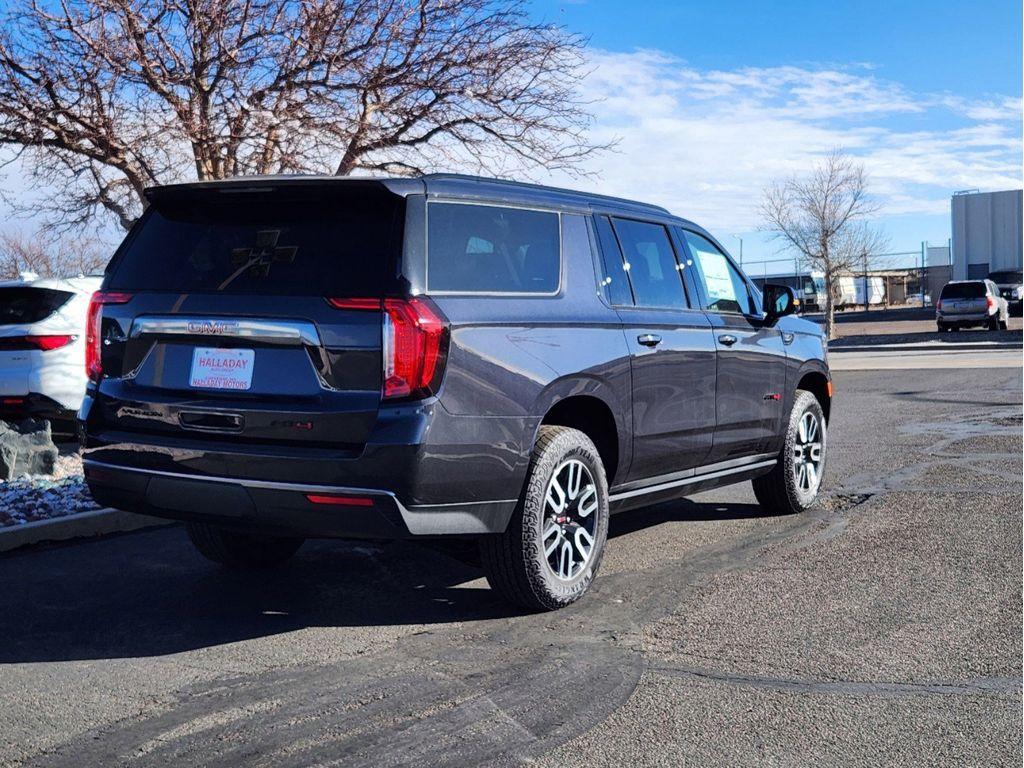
x: 967, y: 303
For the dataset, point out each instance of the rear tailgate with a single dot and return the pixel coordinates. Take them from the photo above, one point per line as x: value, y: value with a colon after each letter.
x: 224, y: 329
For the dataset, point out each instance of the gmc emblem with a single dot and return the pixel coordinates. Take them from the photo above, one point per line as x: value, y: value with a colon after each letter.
x: 212, y: 327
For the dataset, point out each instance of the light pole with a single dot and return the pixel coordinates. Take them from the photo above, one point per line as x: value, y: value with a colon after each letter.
x: 741, y: 248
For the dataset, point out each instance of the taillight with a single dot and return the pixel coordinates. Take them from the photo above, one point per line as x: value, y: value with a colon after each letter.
x: 93, y: 330
x: 990, y: 302
x: 938, y: 305
x: 415, y: 344
x: 44, y: 343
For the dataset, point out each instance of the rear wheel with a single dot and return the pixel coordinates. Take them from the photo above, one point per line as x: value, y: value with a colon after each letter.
x: 552, y: 549
x: 1004, y: 325
x: 943, y: 328
x: 237, y: 549
x: 792, y: 485
x: 993, y: 323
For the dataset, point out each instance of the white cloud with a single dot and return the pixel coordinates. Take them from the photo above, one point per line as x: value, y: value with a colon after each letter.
x: 705, y: 143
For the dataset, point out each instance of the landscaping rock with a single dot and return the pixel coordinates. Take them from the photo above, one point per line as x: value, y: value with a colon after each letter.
x: 26, y: 448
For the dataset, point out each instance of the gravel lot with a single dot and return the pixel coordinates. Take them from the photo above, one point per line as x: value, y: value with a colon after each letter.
x: 882, y: 628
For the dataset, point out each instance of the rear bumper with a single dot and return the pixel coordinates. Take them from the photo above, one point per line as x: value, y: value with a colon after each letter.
x: 965, y: 319
x: 33, y: 405
x: 283, y: 508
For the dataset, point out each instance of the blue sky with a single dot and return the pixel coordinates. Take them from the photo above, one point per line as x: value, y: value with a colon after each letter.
x: 712, y: 99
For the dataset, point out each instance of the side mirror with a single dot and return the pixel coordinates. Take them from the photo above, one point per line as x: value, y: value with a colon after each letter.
x: 779, y: 301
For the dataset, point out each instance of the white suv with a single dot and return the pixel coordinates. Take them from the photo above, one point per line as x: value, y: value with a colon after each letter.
x: 42, y: 347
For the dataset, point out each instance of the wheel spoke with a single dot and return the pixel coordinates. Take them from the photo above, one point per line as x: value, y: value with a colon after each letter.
x: 812, y: 428
x: 553, y: 532
x: 588, y: 501
x: 565, y: 560
x: 584, y: 543
x: 556, y: 496
x: 812, y: 476
x: 801, y: 430
x: 573, y: 479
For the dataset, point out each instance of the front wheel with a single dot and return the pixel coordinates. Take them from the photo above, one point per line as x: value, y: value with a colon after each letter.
x: 552, y: 549
x: 237, y: 549
x: 792, y: 485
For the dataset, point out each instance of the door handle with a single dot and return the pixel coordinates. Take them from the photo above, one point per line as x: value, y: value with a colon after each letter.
x: 649, y: 339
x: 728, y: 339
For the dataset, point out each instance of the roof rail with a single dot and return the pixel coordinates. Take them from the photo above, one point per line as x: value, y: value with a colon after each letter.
x: 543, y: 188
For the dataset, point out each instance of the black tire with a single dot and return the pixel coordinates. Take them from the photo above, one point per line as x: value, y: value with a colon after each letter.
x: 514, y: 561
x: 993, y: 323
x: 779, y: 491
x: 943, y: 328
x: 237, y: 549
x: 1004, y: 325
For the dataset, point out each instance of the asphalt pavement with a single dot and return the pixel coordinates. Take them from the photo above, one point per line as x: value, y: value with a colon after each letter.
x: 881, y: 628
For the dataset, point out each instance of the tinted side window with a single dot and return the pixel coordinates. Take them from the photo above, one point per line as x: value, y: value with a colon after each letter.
x: 724, y: 285
x: 490, y: 249
x: 651, y: 263
x: 614, y: 278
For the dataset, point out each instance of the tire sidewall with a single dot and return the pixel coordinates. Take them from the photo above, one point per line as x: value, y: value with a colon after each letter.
x: 549, y: 589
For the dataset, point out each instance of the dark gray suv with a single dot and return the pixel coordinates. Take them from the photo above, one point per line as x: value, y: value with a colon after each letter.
x: 279, y: 358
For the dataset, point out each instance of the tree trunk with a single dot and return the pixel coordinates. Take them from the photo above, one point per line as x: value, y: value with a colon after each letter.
x: 830, y: 305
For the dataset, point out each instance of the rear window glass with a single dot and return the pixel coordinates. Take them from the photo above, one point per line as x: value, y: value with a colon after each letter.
x: 29, y: 305
x: 964, y: 291
x: 491, y: 249
x: 330, y: 244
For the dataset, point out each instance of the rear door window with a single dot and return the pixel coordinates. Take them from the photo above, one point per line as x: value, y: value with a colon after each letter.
x: 964, y: 291
x: 492, y: 249
x: 724, y: 286
x: 651, y: 263
x: 614, y: 278
x: 24, y: 305
x: 323, y: 245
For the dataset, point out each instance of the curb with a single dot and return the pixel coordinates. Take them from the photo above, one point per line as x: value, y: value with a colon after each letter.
x: 95, y: 522
x: 928, y: 347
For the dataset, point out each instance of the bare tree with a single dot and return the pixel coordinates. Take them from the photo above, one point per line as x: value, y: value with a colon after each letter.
x: 49, y: 257
x: 101, y: 98
x: 825, y: 218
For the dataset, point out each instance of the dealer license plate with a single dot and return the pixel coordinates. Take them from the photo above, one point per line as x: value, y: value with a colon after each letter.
x: 222, y: 368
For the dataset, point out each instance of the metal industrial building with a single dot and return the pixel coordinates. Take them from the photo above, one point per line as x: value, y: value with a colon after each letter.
x: 987, y: 233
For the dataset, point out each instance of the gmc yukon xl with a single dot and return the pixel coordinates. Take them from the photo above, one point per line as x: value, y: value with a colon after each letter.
x: 278, y: 358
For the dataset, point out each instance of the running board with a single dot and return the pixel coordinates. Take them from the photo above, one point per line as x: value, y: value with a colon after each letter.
x: 690, y: 480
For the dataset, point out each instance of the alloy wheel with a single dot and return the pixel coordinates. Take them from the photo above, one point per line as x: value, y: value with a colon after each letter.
x: 569, y: 521
x: 808, y: 453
